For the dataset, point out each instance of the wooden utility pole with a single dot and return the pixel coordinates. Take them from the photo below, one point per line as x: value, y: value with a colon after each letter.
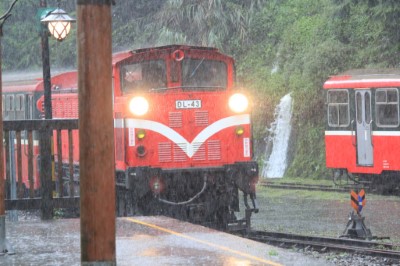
x: 96, y: 133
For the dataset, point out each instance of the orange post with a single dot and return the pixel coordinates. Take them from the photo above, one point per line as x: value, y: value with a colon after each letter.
x: 96, y: 133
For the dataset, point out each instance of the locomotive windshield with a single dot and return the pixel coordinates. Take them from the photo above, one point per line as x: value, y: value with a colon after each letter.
x: 144, y: 75
x: 203, y: 73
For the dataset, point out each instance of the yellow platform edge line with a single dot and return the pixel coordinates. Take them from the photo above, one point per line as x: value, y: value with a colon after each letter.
x: 203, y: 242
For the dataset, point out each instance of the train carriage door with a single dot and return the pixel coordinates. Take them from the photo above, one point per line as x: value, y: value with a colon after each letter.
x: 364, y: 128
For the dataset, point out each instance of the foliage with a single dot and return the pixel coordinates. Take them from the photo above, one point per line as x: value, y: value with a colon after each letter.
x: 21, y: 40
x: 280, y: 46
x: 306, y: 41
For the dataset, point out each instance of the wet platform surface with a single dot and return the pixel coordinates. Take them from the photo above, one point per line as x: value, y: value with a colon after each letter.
x: 143, y: 241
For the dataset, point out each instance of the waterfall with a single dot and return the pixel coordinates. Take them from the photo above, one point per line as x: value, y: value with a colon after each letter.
x: 278, y: 140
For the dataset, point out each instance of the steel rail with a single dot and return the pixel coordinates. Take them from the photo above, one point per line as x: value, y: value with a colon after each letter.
x: 325, y: 244
x: 299, y: 186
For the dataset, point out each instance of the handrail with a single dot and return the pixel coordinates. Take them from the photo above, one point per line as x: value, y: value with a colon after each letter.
x: 27, y: 152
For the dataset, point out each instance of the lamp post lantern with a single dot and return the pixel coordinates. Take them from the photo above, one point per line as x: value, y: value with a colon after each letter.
x: 58, y: 23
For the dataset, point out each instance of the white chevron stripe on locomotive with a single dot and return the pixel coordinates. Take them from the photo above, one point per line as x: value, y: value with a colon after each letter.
x: 176, y: 137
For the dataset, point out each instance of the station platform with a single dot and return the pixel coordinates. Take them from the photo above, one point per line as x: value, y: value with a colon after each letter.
x: 155, y: 240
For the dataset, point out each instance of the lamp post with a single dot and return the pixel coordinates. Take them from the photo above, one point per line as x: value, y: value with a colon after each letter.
x: 58, y: 24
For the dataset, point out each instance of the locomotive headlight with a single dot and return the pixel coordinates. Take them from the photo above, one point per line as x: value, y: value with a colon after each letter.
x: 238, y: 103
x: 138, y: 105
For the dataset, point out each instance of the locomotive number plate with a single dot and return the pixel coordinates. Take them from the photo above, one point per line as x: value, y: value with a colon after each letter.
x: 187, y: 104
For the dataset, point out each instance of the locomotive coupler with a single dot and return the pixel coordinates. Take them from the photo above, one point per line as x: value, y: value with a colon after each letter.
x: 250, y: 210
x: 245, y: 223
x: 253, y: 199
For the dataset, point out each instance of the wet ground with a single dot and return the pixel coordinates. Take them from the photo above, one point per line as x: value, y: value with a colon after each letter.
x: 315, y: 213
x: 144, y: 241
x: 326, y: 214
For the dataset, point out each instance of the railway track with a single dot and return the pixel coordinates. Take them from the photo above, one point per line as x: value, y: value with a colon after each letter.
x: 325, y: 244
x: 299, y: 186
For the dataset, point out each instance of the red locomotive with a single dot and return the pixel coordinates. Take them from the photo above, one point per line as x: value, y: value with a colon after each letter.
x: 362, y: 134
x: 183, y: 140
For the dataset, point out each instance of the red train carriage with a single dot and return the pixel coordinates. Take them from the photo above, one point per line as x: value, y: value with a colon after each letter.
x: 182, y: 133
x: 362, y: 134
x: 23, y: 100
x: 19, y: 103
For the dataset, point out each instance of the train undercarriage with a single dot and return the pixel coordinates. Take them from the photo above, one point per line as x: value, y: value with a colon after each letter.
x: 386, y: 183
x: 210, y: 197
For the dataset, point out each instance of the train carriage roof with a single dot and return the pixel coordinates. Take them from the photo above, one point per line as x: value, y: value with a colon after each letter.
x: 364, y: 78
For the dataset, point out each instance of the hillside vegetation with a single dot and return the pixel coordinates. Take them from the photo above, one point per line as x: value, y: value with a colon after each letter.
x: 280, y: 46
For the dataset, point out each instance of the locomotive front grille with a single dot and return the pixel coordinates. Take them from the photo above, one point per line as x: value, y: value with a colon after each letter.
x: 180, y: 150
x: 164, y: 152
x: 200, y: 155
x: 214, y: 150
x: 175, y: 119
x: 201, y: 118
x: 171, y: 152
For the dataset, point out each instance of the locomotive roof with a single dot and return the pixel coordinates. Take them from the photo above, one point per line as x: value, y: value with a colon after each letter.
x: 174, y: 47
x: 69, y: 79
x: 364, y: 78
x: 118, y: 57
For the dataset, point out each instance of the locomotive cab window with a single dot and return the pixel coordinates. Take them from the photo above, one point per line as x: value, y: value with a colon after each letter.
x: 143, y: 75
x: 203, y: 73
x: 338, y: 108
x: 387, y: 107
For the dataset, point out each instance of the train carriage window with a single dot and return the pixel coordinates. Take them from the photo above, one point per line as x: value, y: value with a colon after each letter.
x: 10, y: 103
x: 204, y: 73
x: 9, y: 107
x: 387, y: 107
x: 20, y: 106
x: 19, y: 102
x: 368, y: 118
x: 359, y: 107
x: 143, y: 75
x: 29, y: 107
x: 338, y: 108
